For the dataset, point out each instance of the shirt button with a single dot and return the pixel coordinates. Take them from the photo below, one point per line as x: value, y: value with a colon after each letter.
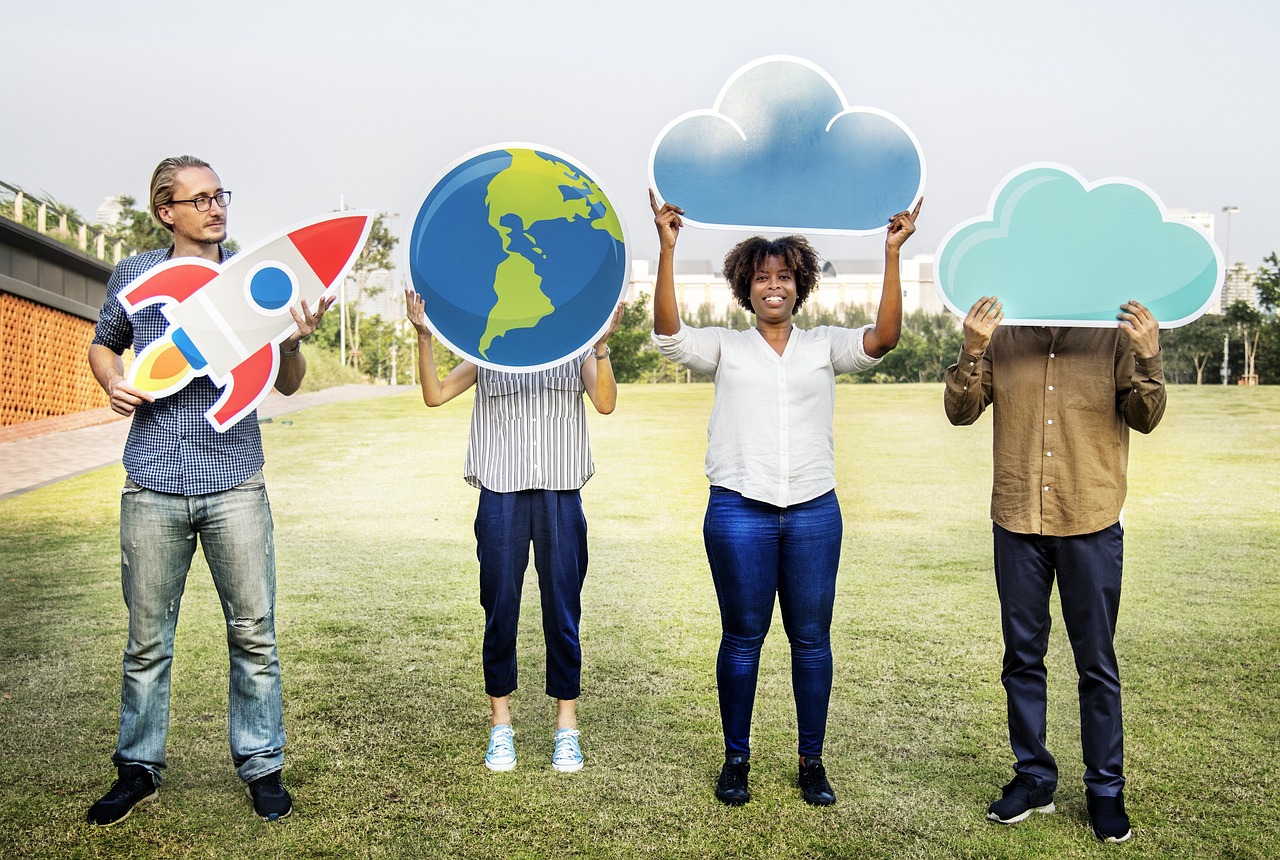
x: 1051, y: 355
x: 1051, y: 388
x: 966, y: 388
x: 1048, y: 453
x: 1046, y: 488
x: 1050, y: 421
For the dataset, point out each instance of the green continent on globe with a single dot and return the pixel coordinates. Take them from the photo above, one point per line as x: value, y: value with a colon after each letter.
x: 530, y: 189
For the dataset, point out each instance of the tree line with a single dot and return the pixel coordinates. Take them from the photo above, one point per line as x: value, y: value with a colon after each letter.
x: 1193, y: 354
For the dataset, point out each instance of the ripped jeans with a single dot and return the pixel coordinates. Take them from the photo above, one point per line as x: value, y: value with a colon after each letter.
x: 158, y: 534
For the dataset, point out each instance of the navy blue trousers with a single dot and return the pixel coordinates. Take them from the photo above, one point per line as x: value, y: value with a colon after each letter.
x: 1088, y: 569
x: 506, y: 524
x: 757, y: 551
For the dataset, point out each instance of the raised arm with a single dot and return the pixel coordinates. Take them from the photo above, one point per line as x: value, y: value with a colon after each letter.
x: 968, y: 381
x: 1144, y: 403
x: 597, y: 370
x: 435, y: 391
x: 888, y: 328
x: 666, y: 314
x: 293, y: 364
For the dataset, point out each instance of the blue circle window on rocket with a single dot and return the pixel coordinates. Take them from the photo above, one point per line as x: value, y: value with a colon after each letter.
x: 271, y: 287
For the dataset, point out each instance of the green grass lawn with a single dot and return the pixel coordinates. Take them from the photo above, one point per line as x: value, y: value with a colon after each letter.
x: 380, y: 625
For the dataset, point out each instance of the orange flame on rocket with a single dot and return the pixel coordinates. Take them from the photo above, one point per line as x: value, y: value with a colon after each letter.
x: 161, y: 369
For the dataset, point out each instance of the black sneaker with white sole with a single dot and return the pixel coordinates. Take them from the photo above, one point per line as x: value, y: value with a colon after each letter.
x: 1021, y: 797
x: 134, y: 785
x: 1107, y: 817
x: 270, y: 799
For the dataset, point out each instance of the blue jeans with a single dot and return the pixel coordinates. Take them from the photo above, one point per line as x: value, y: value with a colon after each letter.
x: 506, y: 524
x: 1088, y: 570
x: 158, y: 534
x: 756, y: 551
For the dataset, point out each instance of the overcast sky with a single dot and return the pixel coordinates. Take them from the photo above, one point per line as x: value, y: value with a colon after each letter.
x: 299, y: 105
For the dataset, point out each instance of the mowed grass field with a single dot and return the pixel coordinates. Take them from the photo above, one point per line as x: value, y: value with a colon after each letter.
x: 379, y: 628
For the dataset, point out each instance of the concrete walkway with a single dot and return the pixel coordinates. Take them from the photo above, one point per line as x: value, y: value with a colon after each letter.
x: 42, y: 452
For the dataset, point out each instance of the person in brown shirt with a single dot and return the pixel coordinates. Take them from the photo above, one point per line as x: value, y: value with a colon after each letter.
x: 1064, y: 400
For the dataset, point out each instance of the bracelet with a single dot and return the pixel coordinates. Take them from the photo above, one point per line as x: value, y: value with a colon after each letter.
x: 600, y: 357
x: 294, y: 351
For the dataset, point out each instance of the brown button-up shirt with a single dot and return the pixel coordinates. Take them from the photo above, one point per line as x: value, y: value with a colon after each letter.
x: 1064, y: 401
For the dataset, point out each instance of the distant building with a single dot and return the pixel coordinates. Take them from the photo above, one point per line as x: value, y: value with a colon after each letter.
x: 110, y: 211
x: 1239, y: 286
x: 844, y: 284
x: 1205, y: 221
x: 383, y: 296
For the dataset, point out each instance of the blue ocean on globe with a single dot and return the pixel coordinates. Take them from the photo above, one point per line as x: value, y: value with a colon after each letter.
x: 519, y: 258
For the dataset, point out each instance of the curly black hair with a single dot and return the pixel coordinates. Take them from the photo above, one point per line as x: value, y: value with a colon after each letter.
x: 744, y: 259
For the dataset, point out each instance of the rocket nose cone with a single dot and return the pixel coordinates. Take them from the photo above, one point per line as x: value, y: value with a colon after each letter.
x: 330, y: 244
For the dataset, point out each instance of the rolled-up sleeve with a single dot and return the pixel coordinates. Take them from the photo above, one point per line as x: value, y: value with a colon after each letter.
x: 1143, y: 405
x: 968, y: 388
x: 114, y: 331
x: 848, y: 352
x: 695, y: 348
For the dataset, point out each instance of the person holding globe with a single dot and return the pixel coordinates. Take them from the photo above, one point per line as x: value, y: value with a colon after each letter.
x: 529, y: 455
x: 773, y: 523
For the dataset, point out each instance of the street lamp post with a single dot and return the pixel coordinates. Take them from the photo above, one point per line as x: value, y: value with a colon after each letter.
x: 1230, y: 210
x: 1227, y: 291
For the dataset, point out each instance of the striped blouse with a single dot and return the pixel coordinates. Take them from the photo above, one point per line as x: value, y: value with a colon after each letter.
x: 529, y: 430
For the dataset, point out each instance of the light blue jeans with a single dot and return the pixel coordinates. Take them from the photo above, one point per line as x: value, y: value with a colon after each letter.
x: 158, y: 534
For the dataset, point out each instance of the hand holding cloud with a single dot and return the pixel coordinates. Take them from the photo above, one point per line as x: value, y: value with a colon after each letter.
x: 1058, y: 250
x: 781, y: 151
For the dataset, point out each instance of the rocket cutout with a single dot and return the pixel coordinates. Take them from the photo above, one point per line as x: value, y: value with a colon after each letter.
x: 227, y: 321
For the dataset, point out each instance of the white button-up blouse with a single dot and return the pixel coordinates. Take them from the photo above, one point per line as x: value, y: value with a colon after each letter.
x: 770, y: 437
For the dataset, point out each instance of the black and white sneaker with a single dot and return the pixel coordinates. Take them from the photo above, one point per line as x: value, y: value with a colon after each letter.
x: 1107, y: 817
x: 1021, y: 797
x: 270, y: 799
x: 134, y: 785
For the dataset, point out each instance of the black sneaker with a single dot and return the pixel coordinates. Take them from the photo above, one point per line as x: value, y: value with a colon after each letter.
x: 1107, y: 817
x: 813, y: 782
x: 270, y: 800
x: 1023, y: 796
x: 134, y: 785
x: 731, y: 787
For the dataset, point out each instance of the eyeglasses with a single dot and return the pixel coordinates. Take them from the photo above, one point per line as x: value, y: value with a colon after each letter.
x: 204, y: 203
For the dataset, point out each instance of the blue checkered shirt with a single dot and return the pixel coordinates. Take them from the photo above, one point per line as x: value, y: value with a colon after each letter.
x: 172, y: 448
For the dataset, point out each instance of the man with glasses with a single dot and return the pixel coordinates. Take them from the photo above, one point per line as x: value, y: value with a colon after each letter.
x: 185, y: 483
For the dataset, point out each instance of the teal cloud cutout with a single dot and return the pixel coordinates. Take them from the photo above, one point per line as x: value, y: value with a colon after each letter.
x: 781, y: 150
x: 1058, y: 250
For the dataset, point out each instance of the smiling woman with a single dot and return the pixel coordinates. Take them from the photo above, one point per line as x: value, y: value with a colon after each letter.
x: 791, y: 261
x: 773, y: 524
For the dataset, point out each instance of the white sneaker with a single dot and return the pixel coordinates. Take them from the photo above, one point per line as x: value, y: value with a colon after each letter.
x: 567, y: 757
x: 502, y: 749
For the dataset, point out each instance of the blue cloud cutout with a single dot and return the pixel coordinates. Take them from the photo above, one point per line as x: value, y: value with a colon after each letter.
x: 782, y: 151
x: 1057, y: 250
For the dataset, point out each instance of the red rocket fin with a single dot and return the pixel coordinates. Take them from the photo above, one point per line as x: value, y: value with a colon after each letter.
x: 250, y: 382
x: 171, y: 282
x: 331, y: 245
